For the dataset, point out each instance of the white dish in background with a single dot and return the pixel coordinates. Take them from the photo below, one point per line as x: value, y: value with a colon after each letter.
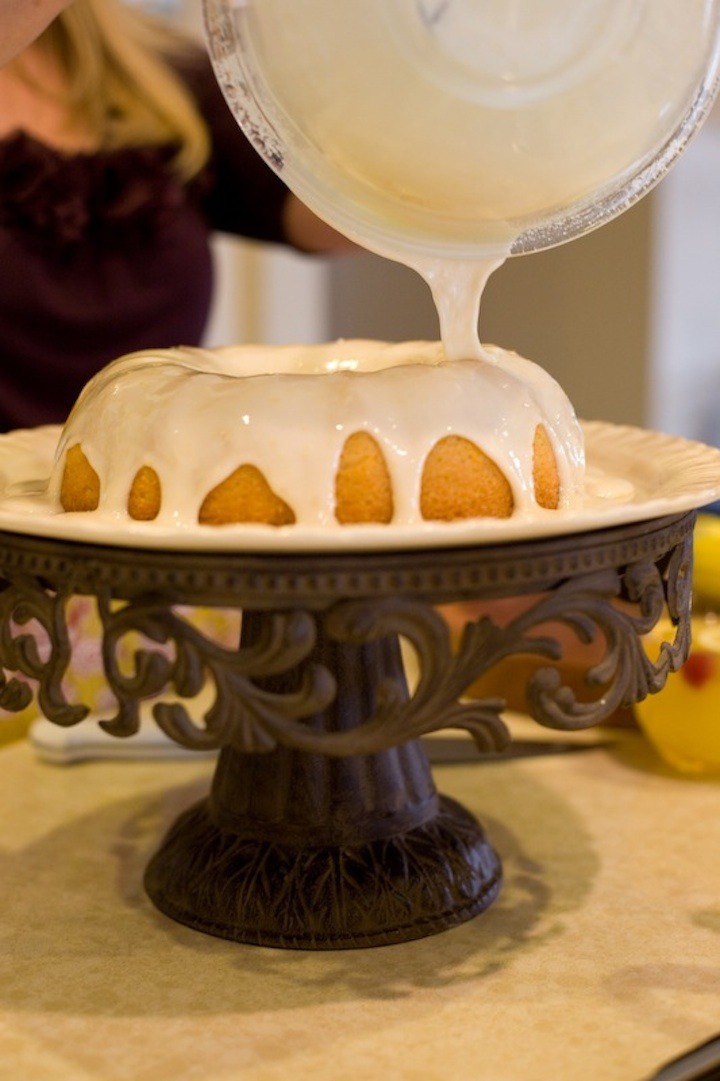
x: 87, y: 741
x: 646, y: 475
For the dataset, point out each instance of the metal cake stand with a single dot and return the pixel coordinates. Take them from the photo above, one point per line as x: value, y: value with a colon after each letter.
x: 323, y: 828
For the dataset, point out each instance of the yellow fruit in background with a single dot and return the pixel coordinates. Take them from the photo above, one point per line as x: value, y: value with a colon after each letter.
x: 706, y: 556
x: 682, y: 721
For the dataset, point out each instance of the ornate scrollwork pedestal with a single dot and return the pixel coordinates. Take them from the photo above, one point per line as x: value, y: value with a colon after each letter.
x: 323, y: 828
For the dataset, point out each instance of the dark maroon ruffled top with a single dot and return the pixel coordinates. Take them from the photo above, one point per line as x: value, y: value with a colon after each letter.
x: 59, y: 200
x: 105, y: 253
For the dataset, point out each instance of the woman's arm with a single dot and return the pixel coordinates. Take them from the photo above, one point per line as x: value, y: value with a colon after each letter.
x: 21, y: 21
x: 309, y: 233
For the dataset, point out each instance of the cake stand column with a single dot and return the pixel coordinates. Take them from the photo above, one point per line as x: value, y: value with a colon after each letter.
x: 307, y: 850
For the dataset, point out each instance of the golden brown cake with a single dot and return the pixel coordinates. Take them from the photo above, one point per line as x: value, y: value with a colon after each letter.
x: 338, y: 434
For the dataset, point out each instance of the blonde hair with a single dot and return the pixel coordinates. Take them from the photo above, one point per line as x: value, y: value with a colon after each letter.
x: 121, y: 85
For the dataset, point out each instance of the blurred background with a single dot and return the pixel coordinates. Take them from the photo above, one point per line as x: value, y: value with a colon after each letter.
x: 627, y: 319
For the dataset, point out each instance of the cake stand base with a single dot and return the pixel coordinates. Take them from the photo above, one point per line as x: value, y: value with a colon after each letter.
x: 265, y: 893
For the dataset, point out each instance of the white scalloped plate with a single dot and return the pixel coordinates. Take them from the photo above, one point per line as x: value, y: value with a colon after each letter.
x: 661, y: 475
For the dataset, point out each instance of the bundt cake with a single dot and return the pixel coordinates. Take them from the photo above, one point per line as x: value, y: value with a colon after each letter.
x: 342, y: 433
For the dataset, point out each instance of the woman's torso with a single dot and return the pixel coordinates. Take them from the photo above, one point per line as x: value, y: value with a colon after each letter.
x: 102, y: 253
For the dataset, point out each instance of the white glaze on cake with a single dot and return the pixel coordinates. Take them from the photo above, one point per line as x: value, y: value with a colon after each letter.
x: 195, y: 415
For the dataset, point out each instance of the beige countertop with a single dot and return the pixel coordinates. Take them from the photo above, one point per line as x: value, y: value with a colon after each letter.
x: 600, y: 960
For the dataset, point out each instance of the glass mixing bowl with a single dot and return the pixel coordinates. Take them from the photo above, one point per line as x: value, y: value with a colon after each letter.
x: 464, y: 128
